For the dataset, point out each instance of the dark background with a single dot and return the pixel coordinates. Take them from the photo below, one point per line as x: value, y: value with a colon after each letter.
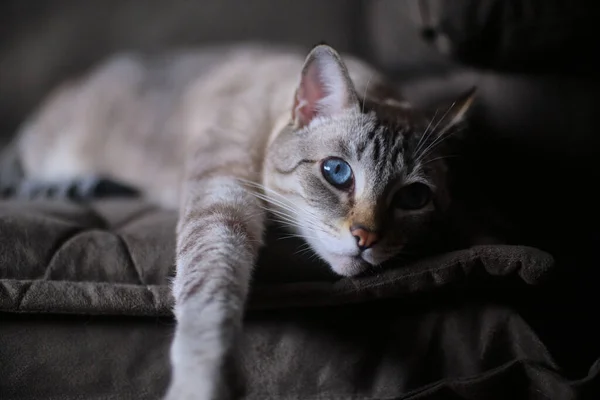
x: 531, y: 164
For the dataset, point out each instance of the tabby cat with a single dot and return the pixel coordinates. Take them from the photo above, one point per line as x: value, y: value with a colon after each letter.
x: 229, y: 137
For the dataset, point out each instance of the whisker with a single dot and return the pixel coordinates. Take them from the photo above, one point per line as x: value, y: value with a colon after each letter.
x: 292, y: 236
x: 277, y: 203
x: 298, y: 236
x: 443, y: 137
x: 288, y: 204
x: 365, y: 93
x: 434, y: 129
x: 280, y: 204
x: 312, y: 255
x: 293, y: 223
x: 283, y: 217
x: 304, y: 249
x: 426, y: 133
x: 306, y: 215
x: 439, y: 158
x: 287, y: 221
x: 314, y: 223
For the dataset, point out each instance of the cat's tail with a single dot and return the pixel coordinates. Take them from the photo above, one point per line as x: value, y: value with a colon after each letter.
x: 11, y: 169
x: 16, y: 185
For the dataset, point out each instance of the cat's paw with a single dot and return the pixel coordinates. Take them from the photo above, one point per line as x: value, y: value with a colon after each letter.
x: 204, y: 361
x: 217, y: 380
x: 198, y: 388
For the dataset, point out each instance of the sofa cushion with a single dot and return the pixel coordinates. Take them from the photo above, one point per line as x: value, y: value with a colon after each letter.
x: 117, y: 257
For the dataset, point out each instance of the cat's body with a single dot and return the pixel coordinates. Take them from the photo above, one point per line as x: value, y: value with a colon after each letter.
x: 136, y: 118
x: 223, y: 135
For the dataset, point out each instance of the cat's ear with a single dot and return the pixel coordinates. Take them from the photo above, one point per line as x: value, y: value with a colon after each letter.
x: 325, y: 87
x: 455, y: 113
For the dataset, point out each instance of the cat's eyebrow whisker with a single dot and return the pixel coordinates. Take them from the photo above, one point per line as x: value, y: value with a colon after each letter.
x: 426, y: 134
x: 365, y: 93
x: 435, y: 129
x: 439, y: 158
x: 438, y: 141
x: 431, y: 132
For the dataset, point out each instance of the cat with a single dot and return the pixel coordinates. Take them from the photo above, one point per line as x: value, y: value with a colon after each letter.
x: 229, y: 136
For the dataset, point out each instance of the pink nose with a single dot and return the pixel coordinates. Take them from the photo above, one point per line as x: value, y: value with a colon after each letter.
x: 364, y: 237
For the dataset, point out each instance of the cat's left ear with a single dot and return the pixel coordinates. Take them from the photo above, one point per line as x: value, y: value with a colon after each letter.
x: 454, y: 114
x: 325, y: 87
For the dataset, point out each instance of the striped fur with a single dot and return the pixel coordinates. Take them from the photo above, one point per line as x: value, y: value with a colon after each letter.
x: 229, y: 137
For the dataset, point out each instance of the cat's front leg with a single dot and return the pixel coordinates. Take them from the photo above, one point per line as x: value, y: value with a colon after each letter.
x: 219, y: 236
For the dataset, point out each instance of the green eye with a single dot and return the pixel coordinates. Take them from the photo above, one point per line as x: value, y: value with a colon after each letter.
x: 412, y: 197
x: 337, y: 172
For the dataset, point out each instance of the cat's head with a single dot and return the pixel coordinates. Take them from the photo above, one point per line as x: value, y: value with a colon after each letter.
x: 359, y: 182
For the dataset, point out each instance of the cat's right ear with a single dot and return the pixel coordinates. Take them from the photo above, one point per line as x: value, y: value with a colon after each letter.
x: 325, y: 87
x: 454, y: 114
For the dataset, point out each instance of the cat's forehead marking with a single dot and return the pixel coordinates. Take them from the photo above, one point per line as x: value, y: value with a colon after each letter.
x: 381, y: 149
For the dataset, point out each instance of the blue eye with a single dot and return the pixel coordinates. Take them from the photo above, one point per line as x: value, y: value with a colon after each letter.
x: 337, y: 172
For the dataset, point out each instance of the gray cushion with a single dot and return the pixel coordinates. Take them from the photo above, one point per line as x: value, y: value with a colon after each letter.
x: 116, y: 257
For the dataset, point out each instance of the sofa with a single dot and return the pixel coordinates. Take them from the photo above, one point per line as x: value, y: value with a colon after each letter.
x: 85, y: 306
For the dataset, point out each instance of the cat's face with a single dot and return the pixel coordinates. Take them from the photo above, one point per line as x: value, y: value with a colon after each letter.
x: 358, y: 186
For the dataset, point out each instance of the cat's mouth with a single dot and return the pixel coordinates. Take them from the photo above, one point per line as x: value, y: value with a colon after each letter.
x: 343, y: 256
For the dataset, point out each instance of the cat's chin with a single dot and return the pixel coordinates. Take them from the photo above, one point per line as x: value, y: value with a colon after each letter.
x: 347, y: 265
